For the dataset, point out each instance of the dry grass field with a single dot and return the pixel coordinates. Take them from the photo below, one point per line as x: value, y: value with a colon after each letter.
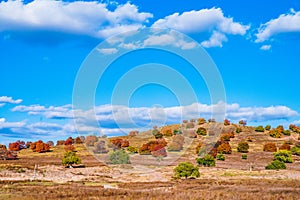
x: 42, y: 176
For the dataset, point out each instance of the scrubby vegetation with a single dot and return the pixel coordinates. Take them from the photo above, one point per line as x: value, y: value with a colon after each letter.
x: 270, y: 147
x: 119, y: 157
x: 186, y: 170
x: 275, y: 165
x: 70, y: 158
x: 207, y: 161
x: 243, y: 147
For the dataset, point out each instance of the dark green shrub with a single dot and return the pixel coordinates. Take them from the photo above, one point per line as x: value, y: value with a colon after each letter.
x: 221, y: 157
x: 201, y: 131
x: 186, y: 169
x: 286, y: 132
x: 295, y: 151
x: 157, y: 134
x: 268, y: 127
x: 283, y: 156
x: 119, y: 157
x: 244, y: 156
x: 243, y: 147
x: 275, y: 165
x: 260, y: 129
x: 207, y: 161
x: 70, y: 158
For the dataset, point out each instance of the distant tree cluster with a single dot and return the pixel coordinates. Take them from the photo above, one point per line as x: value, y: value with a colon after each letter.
x: 39, y: 146
x: 155, y: 148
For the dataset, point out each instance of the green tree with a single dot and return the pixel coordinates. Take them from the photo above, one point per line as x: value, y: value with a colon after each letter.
x: 70, y: 158
x: 259, y: 129
x: 268, y: 127
x: 186, y: 169
x: 119, y: 157
x: 276, y: 164
x: 207, y: 161
x: 283, y: 156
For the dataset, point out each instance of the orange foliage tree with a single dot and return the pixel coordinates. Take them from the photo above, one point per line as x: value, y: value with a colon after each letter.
x: 40, y: 147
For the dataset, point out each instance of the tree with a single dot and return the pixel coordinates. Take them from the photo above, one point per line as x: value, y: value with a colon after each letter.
x: 90, y: 140
x: 226, y: 122
x: 40, y: 147
x: 283, y: 156
x: 268, y: 127
x: 270, y: 147
x: 275, y: 133
x: 79, y: 140
x: 70, y: 158
x: 186, y: 169
x: 275, y: 165
x: 50, y: 143
x: 243, y: 147
x: 201, y: 121
x: 201, y: 131
x: 206, y: 161
x: 69, y: 141
x: 260, y: 129
x: 224, y: 148
x: 60, y: 142
x: 243, y: 122
x: 100, y: 147
x: 157, y: 134
x: 119, y: 157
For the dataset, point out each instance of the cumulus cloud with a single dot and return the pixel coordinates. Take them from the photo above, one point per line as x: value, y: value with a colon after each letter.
x: 6, y: 99
x: 285, y: 23
x: 51, y: 112
x: 78, y: 17
x: 210, y: 21
x: 265, y: 47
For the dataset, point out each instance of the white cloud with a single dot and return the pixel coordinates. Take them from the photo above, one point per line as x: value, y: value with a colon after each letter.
x: 79, y: 17
x: 211, y: 20
x: 297, y: 122
x: 169, y: 39
x: 6, y: 99
x: 216, y: 40
x: 265, y: 47
x: 51, y: 112
x: 285, y: 23
x: 2, y: 104
x: 107, y: 51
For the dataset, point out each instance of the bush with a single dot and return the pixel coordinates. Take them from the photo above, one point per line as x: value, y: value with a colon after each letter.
x: 243, y: 147
x: 275, y: 165
x: 79, y: 140
x: 268, y: 127
x: 167, y: 132
x: 144, y: 149
x: 198, y: 147
x: 186, y: 169
x: 280, y: 129
x: 70, y: 158
x: 132, y: 149
x: 238, y: 130
x: 7, y: 155
x: 69, y: 148
x: 69, y: 141
x: 213, y: 152
x: 225, y: 137
x: 50, y: 143
x: 221, y: 157
x: 159, y: 151
x: 201, y: 121
x: 224, y: 148
x: 147, y: 148
x: 157, y: 134
x: 283, y: 156
x: 133, y: 133
x: 176, y: 132
x: 119, y: 157
x: 226, y: 122
x: 190, y: 125
x: 90, y: 140
x: 15, y: 146
x: 39, y: 147
x: 286, y: 132
x: 201, y: 131
x: 207, y: 161
x: 60, y: 142
x: 285, y: 146
x: 275, y: 133
x: 295, y: 151
x: 244, y: 156
x: 100, y: 147
x: 259, y: 129
x: 270, y: 147
x: 243, y: 122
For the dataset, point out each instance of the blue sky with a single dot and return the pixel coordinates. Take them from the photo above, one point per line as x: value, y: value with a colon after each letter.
x: 43, y: 44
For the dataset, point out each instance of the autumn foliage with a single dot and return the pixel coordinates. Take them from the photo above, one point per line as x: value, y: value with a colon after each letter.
x: 224, y: 148
x: 153, y: 146
x: 40, y: 147
x: 270, y: 147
